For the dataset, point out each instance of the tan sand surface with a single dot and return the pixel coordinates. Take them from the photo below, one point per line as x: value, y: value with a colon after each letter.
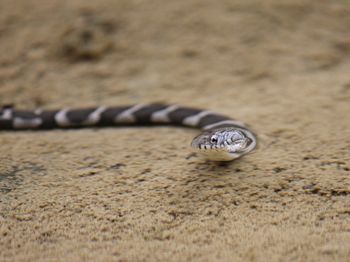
x: 138, y: 194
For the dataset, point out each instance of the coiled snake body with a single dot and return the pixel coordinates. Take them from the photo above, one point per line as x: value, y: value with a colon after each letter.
x: 222, y: 139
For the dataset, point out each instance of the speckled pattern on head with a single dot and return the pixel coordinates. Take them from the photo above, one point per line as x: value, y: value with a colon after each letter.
x: 223, y: 138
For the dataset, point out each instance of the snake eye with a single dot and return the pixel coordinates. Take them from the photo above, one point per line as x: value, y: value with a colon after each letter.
x: 214, y: 139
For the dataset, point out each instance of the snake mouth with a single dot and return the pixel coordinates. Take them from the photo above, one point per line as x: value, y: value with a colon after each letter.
x: 216, y: 154
x: 208, y: 147
x: 228, y: 146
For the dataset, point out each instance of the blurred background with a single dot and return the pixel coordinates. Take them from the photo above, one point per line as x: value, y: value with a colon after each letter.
x: 283, y: 67
x: 237, y: 53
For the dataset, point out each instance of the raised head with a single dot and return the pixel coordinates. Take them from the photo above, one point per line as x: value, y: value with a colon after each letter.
x: 225, y: 143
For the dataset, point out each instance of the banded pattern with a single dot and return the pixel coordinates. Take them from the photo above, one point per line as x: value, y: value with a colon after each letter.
x: 151, y: 114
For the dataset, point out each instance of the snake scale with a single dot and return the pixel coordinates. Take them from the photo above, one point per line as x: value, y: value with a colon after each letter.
x: 222, y: 139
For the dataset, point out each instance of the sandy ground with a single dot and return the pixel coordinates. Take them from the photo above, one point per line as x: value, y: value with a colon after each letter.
x: 139, y: 194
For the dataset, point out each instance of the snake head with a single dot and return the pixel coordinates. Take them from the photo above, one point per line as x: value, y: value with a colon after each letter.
x: 224, y: 144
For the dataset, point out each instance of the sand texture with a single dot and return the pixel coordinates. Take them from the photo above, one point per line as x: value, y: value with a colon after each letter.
x: 139, y: 194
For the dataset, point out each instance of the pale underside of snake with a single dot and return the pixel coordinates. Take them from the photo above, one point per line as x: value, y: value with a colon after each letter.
x: 222, y: 139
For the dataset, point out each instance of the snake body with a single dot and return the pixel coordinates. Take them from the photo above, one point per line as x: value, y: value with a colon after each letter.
x: 222, y: 139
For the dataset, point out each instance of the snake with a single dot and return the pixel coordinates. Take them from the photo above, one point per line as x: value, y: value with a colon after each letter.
x: 222, y: 138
